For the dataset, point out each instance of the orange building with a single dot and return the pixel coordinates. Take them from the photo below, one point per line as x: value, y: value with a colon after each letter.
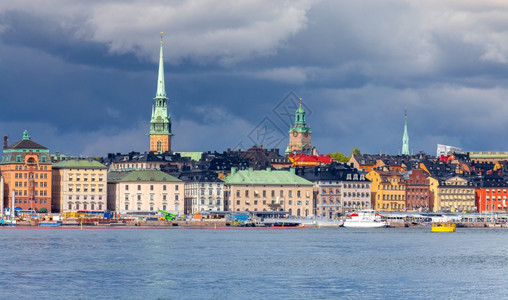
x: 26, y: 169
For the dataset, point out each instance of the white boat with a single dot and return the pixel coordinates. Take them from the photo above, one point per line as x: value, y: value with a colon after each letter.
x: 365, y: 219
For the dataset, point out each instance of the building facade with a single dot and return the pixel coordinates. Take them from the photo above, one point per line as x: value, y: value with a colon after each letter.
x: 145, y: 191
x: 26, y: 169
x: 388, y: 190
x: 417, y: 190
x: 160, y: 122
x: 267, y: 190
x: 79, y: 185
x: 204, y: 191
x: 456, y: 194
x: 338, y: 188
x: 491, y: 195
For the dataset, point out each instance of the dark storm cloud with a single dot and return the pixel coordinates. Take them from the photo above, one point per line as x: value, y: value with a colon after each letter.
x: 88, y: 74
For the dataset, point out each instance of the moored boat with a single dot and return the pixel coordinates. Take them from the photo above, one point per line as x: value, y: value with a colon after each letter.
x: 443, y: 227
x: 365, y: 219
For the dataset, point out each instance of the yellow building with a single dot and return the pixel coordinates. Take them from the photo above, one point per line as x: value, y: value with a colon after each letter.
x: 435, y: 201
x: 79, y: 185
x: 388, y: 190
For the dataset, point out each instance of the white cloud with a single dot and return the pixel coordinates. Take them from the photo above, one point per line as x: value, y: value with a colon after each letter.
x: 227, y: 30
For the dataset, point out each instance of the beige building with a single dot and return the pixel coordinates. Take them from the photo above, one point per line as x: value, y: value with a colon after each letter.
x: 268, y: 190
x: 79, y: 185
x: 456, y: 194
x: 145, y: 191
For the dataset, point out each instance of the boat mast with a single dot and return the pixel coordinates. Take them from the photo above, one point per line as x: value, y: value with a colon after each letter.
x: 2, y: 196
x: 12, y: 207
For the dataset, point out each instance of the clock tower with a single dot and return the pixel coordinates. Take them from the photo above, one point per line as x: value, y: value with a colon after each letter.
x: 160, y: 123
x: 299, y: 134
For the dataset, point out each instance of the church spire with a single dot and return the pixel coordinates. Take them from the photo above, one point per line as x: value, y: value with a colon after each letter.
x: 405, y: 137
x: 160, y: 121
x: 161, y: 90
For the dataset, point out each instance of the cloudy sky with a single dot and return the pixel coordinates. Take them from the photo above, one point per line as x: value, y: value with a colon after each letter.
x: 80, y: 76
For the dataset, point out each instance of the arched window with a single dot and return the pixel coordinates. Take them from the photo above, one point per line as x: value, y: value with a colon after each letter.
x: 159, y: 146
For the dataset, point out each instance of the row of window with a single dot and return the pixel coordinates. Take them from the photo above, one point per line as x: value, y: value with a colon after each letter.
x: 164, y: 187
x: 26, y: 175
x: 25, y: 184
x: 26, y: 201
x: 85, y: 197
x: 392, y: 206
x: 77, y: 206
x: 152, y: 208
x: 152, y: 197
x: 392, y: 197
x: 494, y: 190
x: 494, y: 198
x: 24, y: 193
x: 85, y: 177
x: 457, y: 191
x: 290, y: 202
x: 392, y: 187
x: 281, y: 193
x: 43, y: 159
x: 85, y: 188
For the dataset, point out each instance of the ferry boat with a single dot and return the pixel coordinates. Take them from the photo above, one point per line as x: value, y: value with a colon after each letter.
x: 365, y: 219
x: 443, y: 227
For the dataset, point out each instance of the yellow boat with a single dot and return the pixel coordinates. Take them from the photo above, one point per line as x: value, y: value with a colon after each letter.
x: 443, y: 227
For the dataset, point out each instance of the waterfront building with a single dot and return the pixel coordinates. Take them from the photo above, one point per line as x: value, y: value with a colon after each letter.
x: 388, y: 190
x: 417, y: 190
x: 79, y: 185
x: 160, y: 122
x: 299, y: 134
x: 491, y: 194
x: 405, y: 137
x: 268, y: 190
x: 204, y: 191
x: 455, y: 194
x: 144, y: 191
x: 337, y: 188
x: 26, y: 169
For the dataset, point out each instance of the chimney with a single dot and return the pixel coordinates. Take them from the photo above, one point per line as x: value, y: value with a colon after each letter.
x: 6, y: 139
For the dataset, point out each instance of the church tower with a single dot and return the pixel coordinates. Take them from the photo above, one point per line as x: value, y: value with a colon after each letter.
x: 405, y: 137
x: 299, y: 134
x: 160, y: 123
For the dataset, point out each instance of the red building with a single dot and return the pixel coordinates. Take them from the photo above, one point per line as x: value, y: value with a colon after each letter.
x: 491, y: 195
x: 417, y: 191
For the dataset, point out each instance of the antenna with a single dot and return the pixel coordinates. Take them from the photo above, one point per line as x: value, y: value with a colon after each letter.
x: 162, y: 34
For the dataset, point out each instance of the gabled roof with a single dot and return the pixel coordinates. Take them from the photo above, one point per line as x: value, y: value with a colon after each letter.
x: 267, y: 177
x: 78, y: 164
x: 26, y: 144
x: 141, y: 176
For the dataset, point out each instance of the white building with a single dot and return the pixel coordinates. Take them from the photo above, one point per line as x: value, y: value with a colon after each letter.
x: 145, y: 191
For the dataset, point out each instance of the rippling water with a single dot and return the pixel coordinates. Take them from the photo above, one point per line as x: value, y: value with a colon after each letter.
x: 326, y: 263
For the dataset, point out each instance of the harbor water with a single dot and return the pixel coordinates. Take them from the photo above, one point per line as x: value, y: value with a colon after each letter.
x: 241, y: 263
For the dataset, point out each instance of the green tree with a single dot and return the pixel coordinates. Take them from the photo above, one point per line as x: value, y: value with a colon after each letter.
x: 356, y: 151
x: 339, y: 157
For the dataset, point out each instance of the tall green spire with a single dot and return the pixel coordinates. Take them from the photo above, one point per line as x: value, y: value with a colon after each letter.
x: 161, y: 89
x: 405, y: 138
x: 160, y: 122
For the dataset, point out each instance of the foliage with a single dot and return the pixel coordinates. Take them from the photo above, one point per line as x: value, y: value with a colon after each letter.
x: 339, y: 157
x: 356, y: 151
